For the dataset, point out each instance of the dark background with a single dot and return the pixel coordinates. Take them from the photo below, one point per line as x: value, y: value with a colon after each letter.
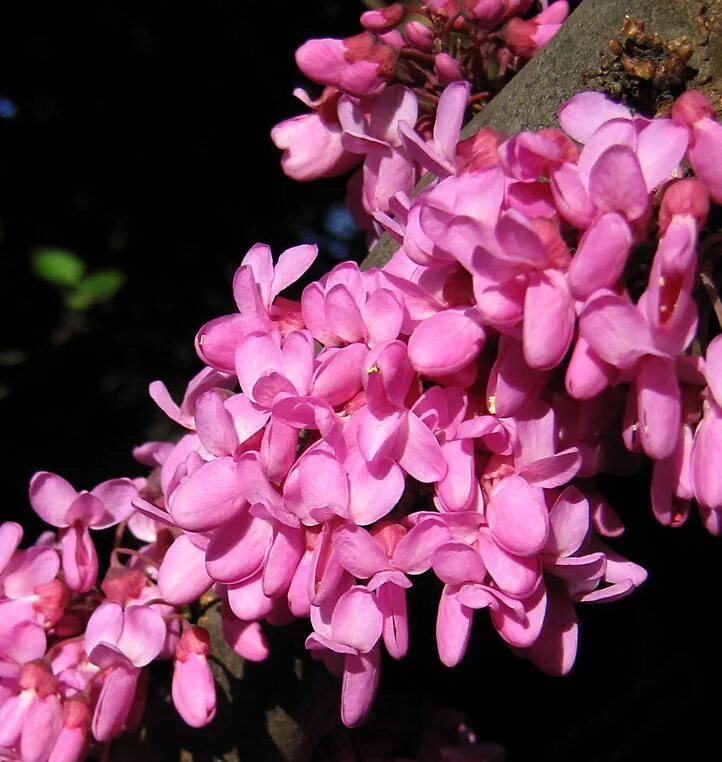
x: 141, y: 142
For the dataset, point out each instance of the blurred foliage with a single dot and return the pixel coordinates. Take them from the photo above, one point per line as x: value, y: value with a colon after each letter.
x: 66, y: 271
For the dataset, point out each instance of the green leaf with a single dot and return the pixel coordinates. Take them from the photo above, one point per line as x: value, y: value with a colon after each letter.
x: 57, y: 266
x: 96, y: 287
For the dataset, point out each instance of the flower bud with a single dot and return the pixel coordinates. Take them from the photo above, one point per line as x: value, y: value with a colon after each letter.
x: 193, y: 689
x: 447, y: 69
x: 383, y: 19
x: 52, y: 598
x: 684, y: 197
x: 690, y: 107
x: 419, y: 35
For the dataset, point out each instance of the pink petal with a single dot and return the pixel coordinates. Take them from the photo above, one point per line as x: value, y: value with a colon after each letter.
x: 298, y: 354
x: 587, y: 375
x: 80, y: 559
x: 358, y: 552
x: 245, y: 638
x: 343, y: 315
x: 553, y: 471
x: 392, y: 602
x: 415, y: 550
x: 247, y: 293
x: 518, y: 517
x: 583, y: 114
x: 555, y: 650
x: 214, y: 425
x: 713, y: 369
x: 182, y: 577
x: 515, y: 575
x: 238, y: 549
x: 615, y: 330
x: 548, y: 320
x: 324, y: 483
x: 356, y: 620
x: 457, y: 488
x: 521, y: 631
x: 456, y: 564
x: 207, y: 498
x: 659, y: 407
x: 257, y: 354
x: 142, y: 636
x: 260, y: 261
x: 432, y: 353
x: 449, y: 118
x: 601, y: 255
x: 10, y: 535
x: 568, y: 523
x: 218, y: 340
x: 116, y: 496
x: 291, y: 265
x: 360, y: 683
x: 114, y: 703
x: 421, y: 454
x: 453, y: 628
x: 374, y: 490
x: 512, y: 383
x: 383, y: 315
x: 247, y: 600
x: 51, y: 497
x: 660, y: 149
x: 28, y: 569
x: 616, y: 183
x: 338, y: 377
x: 284, y: 557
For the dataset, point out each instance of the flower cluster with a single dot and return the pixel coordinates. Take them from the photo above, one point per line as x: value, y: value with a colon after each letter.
x: 445, y: 415
x: 73, y: 652
x: 394, y: 73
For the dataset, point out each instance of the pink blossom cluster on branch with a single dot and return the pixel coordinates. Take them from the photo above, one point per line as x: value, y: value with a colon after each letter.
x: 395, y: 71
x: 446, y: 415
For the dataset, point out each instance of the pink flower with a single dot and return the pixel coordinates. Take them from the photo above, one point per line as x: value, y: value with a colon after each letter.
x: 358, y: 65
x: 311, y: 143
x: 32, y: 719
x: 351, y: 625
x: 56, y: 502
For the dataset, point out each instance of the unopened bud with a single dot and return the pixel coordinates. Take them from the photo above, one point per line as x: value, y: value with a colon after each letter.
x: 419, y: 35
x: 684, y: 197
x: 447, y: 69
x: 690, y: 107
x: 52, y: 598
x: 383, y: 19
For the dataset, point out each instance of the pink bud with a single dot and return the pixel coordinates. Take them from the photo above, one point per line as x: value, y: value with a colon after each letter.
x: 194, y: 641
x: 447, y: 69
x: 488, y: 12
x: 72, y: 741
x: 383, y: 19
x: 690, y: 107
x: 519, y: 37
x: 52, y: 598
x: 388, y: 534
x: 193, y: 689
x: 684, y: 197
x: 37, y: 676
x: 419, y: 35
x: 480, y: 150
x: 516, y: 7
x: 122, y: 584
